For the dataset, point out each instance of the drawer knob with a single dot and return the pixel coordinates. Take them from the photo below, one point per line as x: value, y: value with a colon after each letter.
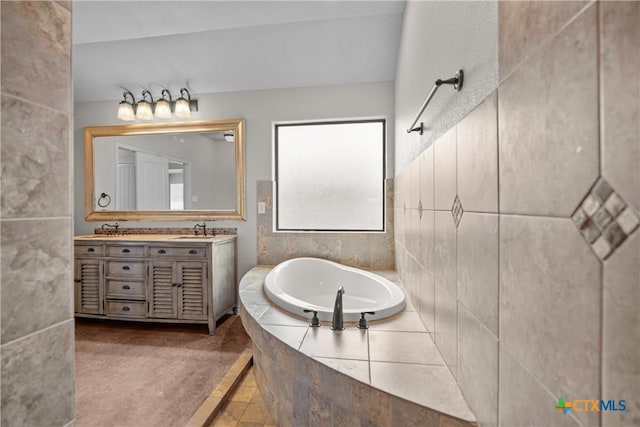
x: 125, y: 251
x: 126, y: 287
x: 91, y: 250
x: 125, y: 308
x: 193, y: 252
x: 174, y: 284
x: 126, y: 267
x: 162, y: 251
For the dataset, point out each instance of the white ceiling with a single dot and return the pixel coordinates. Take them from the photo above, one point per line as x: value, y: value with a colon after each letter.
x: 221, y: 46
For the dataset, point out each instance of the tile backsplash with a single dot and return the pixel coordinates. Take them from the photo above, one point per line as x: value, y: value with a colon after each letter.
x: 516, y: 232
x: 362, y: 250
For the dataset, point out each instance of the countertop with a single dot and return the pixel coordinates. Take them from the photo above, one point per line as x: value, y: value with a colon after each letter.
x: 169, y: 238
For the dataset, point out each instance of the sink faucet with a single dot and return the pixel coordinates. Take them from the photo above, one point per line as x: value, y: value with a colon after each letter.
x: 336, y: 323
x: 111, y: 226
x: 198, y: 226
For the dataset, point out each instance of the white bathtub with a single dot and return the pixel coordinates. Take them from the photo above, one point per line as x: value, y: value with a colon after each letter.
x: 312, y: 283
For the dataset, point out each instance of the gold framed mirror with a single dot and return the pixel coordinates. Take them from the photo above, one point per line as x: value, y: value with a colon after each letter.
x: 172, y: 171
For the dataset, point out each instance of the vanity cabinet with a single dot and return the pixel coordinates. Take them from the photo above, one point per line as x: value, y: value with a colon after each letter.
x: 89, y: 286
x: 178, y: 290
x: 160, y: 280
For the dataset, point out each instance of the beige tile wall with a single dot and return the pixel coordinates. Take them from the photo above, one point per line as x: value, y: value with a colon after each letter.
x: 36, y: 225
x: 523, y: 309
x: 363, y: 250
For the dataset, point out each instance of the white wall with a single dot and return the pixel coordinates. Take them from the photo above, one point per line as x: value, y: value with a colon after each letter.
x: 438, y: 38
x: 260, y: 109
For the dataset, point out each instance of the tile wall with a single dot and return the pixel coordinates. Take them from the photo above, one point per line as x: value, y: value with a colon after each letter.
x: 36, y: 222
x: 363, y: 250
x: 517, y: 231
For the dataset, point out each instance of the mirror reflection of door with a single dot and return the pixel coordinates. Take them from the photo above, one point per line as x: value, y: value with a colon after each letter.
x: 125, y: 179
x: 179, y: 185
x: 149, y: 181
x: 152, y: 181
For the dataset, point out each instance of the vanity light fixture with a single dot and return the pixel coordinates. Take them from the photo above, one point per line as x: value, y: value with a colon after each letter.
x: 146, y: 109
x: 126, y: 110
x: 163, y: 107
x: 229, y: 138
x: 183, y: 106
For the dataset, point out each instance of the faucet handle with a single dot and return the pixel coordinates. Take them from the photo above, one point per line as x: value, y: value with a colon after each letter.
x: 315, y: 322
x: 362, y: 324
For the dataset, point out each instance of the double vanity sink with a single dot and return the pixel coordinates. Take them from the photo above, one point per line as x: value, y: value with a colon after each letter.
x: 155, y: 277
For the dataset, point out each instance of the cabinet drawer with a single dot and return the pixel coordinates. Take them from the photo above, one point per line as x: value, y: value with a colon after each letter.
x: 125, y: 251
x: 125, y: 268
x: 88, y: 250
x: 125, y: 290
x: 185, y: 252
x: 127, y: 308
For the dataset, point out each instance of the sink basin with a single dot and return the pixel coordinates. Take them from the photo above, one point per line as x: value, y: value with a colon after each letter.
x: 193, y: 237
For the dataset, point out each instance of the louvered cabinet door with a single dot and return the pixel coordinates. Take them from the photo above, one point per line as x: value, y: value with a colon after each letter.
x: 89, y: 286
x: 192, y: 297
x: 162, y: 290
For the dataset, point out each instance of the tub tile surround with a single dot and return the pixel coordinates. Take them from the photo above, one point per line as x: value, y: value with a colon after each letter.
x: 545, y: 267
x: 368, y: 372
x: 37, y: 378
x: 619, y: 35
x: 477, y: 152
x: 620, y: 367
x: 516, y: 382
x: 546, y: 113
x: 478, y: 267
x: 478, y: 361
x: 362, y: 250
x: 526, y: 27
x: 445, y: 181
x: 544, y: 184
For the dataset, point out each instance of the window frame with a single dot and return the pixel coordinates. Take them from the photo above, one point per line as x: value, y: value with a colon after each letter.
x: 276, y: 205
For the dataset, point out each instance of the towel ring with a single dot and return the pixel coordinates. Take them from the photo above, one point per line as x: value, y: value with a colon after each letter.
x: 104, y: 196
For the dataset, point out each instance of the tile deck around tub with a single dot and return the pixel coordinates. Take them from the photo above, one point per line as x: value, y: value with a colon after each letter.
x: 396, y: 355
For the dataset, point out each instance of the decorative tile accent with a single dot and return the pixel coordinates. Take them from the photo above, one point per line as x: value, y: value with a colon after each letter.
x: 604, y: 219
x: 420, y: 209
x: 457, y: 211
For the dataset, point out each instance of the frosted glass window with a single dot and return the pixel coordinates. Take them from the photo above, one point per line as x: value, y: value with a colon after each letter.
x: 330, y: 176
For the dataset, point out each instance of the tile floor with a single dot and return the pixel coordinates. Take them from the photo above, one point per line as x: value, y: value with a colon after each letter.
x: 245, y: 407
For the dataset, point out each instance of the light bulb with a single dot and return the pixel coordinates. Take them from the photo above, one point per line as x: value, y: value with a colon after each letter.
x: 125, y: 111
x: 163, y: 109
x: 183, y: 109
x: 144, y: 111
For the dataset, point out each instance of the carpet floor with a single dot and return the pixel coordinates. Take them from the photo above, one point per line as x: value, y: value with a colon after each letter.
x: 139, y: 374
